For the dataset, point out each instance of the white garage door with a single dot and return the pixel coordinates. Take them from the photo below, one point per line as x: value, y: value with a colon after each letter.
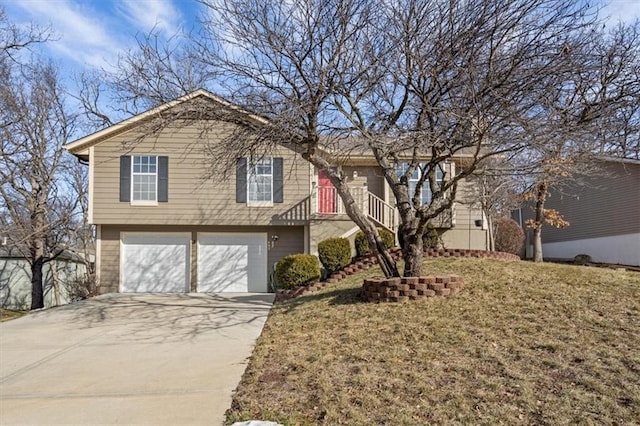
x: 154, y: 263
x: 229, y: 262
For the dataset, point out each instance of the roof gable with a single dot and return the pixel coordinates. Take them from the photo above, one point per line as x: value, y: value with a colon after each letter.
x: 80, y: 146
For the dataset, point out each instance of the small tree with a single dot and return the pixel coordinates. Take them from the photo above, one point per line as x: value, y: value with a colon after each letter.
x: 549, y: 217
x: 34, y: 124
x: 584, y: 110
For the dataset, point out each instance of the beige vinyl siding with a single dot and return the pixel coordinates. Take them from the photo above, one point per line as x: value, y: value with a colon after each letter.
x: 467, y: 208
x: 373, y: 176
x: 465, y: 234
x: 290, y: 241
x: 109, y: 260
x: 328, y: 227
x: 193, y: 199
x: 607, y: 205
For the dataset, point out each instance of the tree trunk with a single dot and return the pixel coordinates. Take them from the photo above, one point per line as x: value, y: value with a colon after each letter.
x: 37, y: 288
x: 357, y: 215
x: 492, y: 243
x: 55, y: 282
x: 541, y: 196
x: 386, y: 262
x: 37, y: 253
x: 413, y: 253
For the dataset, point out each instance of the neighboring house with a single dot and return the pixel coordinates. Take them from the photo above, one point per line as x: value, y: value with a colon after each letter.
x: 603, y: 215
x: 163, y: 227
x: 59, y: 277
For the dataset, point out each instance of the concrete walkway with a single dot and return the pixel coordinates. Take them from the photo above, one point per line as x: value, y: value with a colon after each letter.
x: 129, y: 359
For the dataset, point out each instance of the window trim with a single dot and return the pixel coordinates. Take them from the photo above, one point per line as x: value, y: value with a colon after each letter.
x: 134, y: 202
x: 251, y: 167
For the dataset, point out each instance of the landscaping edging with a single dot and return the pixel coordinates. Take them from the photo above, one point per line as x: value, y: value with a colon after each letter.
x: 410, y: 288
x: 470, y: 253
x: 368, y: 261
x: 359, y: 265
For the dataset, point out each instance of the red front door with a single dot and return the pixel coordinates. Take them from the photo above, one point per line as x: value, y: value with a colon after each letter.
x: 326, y: 194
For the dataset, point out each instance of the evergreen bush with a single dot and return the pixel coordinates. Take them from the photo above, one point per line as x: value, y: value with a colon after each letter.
x: 509, y: 236
x: 334, y: 253
x: 297, y: 269
x: 362, y: 246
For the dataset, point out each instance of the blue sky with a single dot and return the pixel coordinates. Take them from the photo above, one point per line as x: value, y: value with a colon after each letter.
x: 92, y: 32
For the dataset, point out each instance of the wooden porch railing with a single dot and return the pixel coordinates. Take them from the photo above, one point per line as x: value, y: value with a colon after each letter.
x: 328, y: 202
x: 381, y: 212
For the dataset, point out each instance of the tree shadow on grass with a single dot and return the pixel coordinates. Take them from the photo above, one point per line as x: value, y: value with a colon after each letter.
x: 331, y: 296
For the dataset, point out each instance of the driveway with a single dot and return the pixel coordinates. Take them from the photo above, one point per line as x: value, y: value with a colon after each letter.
x: 129, y: 359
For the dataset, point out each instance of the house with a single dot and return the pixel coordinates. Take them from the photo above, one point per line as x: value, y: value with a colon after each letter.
x: 59, y: 278
x: 163, y: 227
x: 603, y: 214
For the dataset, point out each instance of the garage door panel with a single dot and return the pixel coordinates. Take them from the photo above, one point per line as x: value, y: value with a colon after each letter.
x: 155, y: 263
x: 232, y: 262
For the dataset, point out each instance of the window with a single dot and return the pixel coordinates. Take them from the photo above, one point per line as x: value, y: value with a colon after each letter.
x: 425, y: 191
x: 144, y: 178
x: 260, y: 182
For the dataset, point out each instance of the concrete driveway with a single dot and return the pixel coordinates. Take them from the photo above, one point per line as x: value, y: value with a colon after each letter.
x: 129, y: 359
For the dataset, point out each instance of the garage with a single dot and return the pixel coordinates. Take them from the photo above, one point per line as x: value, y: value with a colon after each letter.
x: 154, y: 263
x: 232, y: 262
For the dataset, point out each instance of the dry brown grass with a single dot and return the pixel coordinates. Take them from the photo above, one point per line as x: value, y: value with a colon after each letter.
x: 521, y: 344
x: 9, y: 314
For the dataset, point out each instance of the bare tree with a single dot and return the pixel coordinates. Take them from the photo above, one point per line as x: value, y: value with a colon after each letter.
x: 34, y: 124
x: 620, y: 53
x: 156, y: 70
x: 587, y: 110
x: 14, y: 38
x: 497, y: 189
x: 413, y: 83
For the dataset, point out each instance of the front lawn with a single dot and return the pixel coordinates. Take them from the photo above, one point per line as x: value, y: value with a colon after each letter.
x: 521, y: 344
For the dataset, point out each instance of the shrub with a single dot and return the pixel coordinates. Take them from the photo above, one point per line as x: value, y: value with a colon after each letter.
x: 297, y: 269
x: 430, y: 238
x: 81, y: 287
x: 582, y: 259
x: 509, y: 236
x: 334, y: 253
x: 362, y: 246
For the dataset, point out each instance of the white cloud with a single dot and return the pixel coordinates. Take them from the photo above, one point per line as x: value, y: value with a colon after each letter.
x: 81, y: 33
x: 622, y: 10
x: 149, y: 14
x: 93, y: 33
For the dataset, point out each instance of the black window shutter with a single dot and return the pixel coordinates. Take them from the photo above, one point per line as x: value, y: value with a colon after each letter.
x: 125, y: 178
x: 163, y: 179
x: 241, y: 180
x: 278, y: 184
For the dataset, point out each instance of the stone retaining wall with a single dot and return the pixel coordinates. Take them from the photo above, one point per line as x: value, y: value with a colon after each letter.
x: 369, y: 261
x: 412, y: 288
x: 470, y: 253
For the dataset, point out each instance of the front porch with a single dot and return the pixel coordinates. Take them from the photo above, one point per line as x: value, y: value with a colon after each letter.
x: 461, y: 227
x: 327, y: 204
